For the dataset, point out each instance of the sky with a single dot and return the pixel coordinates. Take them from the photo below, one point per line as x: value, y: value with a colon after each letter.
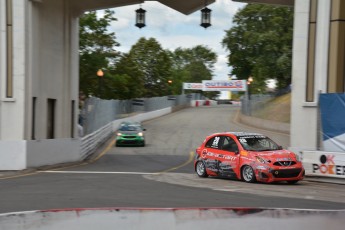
x: 173, y: 29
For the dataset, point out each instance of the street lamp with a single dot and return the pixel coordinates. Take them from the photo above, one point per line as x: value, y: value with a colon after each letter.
x: 140, y: 18
x: 170, y: 89
x: 100, y: 75
x: 205, y: 17
x: 249, y: 81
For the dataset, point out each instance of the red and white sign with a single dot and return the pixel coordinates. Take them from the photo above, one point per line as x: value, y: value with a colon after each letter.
x: 193, y: 86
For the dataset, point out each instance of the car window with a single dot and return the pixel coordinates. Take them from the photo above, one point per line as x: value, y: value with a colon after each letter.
x: 130, y: 127
x: 229, y: 144
x: 213, y: 142
x: 258, y: 143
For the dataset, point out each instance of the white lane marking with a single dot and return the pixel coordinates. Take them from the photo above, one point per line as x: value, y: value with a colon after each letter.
x: 97, y: 172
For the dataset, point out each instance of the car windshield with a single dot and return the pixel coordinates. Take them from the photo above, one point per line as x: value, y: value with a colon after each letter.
x: 258, y: 143
x: 130, y: 127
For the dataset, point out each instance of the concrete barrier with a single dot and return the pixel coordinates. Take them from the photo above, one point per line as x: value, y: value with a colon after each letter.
x: 197, y: 103
x: 265, y: 124
x: 173, y: 219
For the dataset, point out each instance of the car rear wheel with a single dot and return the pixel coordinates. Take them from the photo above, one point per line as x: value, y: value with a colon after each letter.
x: 201, y: 169
x: 248, y: 174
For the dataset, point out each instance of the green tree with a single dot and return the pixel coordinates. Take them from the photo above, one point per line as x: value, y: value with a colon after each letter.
x: 260, y: 44
x: 97, y: 50
x: 192, y: 65
x: 155, y: 66
x: 128, y: 79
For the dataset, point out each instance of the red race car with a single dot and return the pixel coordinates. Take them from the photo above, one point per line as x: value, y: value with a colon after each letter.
x: 247, y: 156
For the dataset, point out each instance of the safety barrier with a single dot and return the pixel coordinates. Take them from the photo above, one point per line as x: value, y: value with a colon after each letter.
x: 197, y: 103
x: 174, y: 219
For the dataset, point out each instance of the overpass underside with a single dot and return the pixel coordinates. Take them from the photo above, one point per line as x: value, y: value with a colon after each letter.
x: 39, y: 73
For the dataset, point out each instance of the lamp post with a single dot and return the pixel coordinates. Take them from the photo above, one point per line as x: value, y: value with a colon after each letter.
x: 249, y: 106
x: 100, y: 75
x: 170, y: 89
x: 250, y: 80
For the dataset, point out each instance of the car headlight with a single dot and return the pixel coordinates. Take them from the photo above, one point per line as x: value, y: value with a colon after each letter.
x: 261, y: 160
x: 140, y: 134
x: 119, y: 134
x: 298, y: 157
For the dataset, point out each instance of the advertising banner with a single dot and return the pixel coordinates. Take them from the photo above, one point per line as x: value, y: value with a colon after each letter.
x: 193, y: 86
x: 224, y: 85
x: 332, y: 108
x: 320, y: 163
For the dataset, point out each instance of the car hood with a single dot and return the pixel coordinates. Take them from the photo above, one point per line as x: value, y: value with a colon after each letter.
x: 276, y: 155
x: 130, y: 132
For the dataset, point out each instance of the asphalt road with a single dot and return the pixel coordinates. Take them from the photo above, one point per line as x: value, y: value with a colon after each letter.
x: 161, y: 174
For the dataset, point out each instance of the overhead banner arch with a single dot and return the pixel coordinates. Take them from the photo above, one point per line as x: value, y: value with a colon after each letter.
x: 224, y: 85
x: 221, y: 85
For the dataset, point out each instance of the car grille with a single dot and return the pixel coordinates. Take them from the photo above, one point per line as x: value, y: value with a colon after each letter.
x: 129, y: 137
x: 286, y: 173
x: 284, y: 163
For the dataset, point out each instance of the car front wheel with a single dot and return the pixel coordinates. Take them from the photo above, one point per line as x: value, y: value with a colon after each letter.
x: 248, y: 174
x: 201, y: 169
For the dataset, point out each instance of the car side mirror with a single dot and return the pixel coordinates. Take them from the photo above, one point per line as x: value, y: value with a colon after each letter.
x: 237, y: 152
x: 280, y: 147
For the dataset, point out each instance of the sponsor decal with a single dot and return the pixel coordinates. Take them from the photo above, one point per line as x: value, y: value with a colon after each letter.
x: 206, y: 154
x: 327, y: 166
x: 215, y: 142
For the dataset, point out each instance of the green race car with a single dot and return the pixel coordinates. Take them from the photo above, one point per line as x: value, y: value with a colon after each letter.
x: 130, y: 134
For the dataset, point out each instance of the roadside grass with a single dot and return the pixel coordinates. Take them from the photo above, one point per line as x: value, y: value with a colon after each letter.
x: 276, y: 109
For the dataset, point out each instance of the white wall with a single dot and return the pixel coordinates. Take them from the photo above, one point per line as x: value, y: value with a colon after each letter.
x: 54, y: 73
x: 54, y: 151
x: 303, y: 115
x: 12, y: 155
x: 12, y: 109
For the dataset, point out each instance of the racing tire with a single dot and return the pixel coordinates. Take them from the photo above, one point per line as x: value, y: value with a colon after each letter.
x: 200, y: 169
x: 292, y: 181
x: 248, y: 174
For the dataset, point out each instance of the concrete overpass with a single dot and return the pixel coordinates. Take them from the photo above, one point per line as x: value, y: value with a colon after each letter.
x: 39, y: 73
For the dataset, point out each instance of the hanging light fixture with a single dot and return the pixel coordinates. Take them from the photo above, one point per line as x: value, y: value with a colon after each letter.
x: 205, y: 17
x: 140, y: 18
